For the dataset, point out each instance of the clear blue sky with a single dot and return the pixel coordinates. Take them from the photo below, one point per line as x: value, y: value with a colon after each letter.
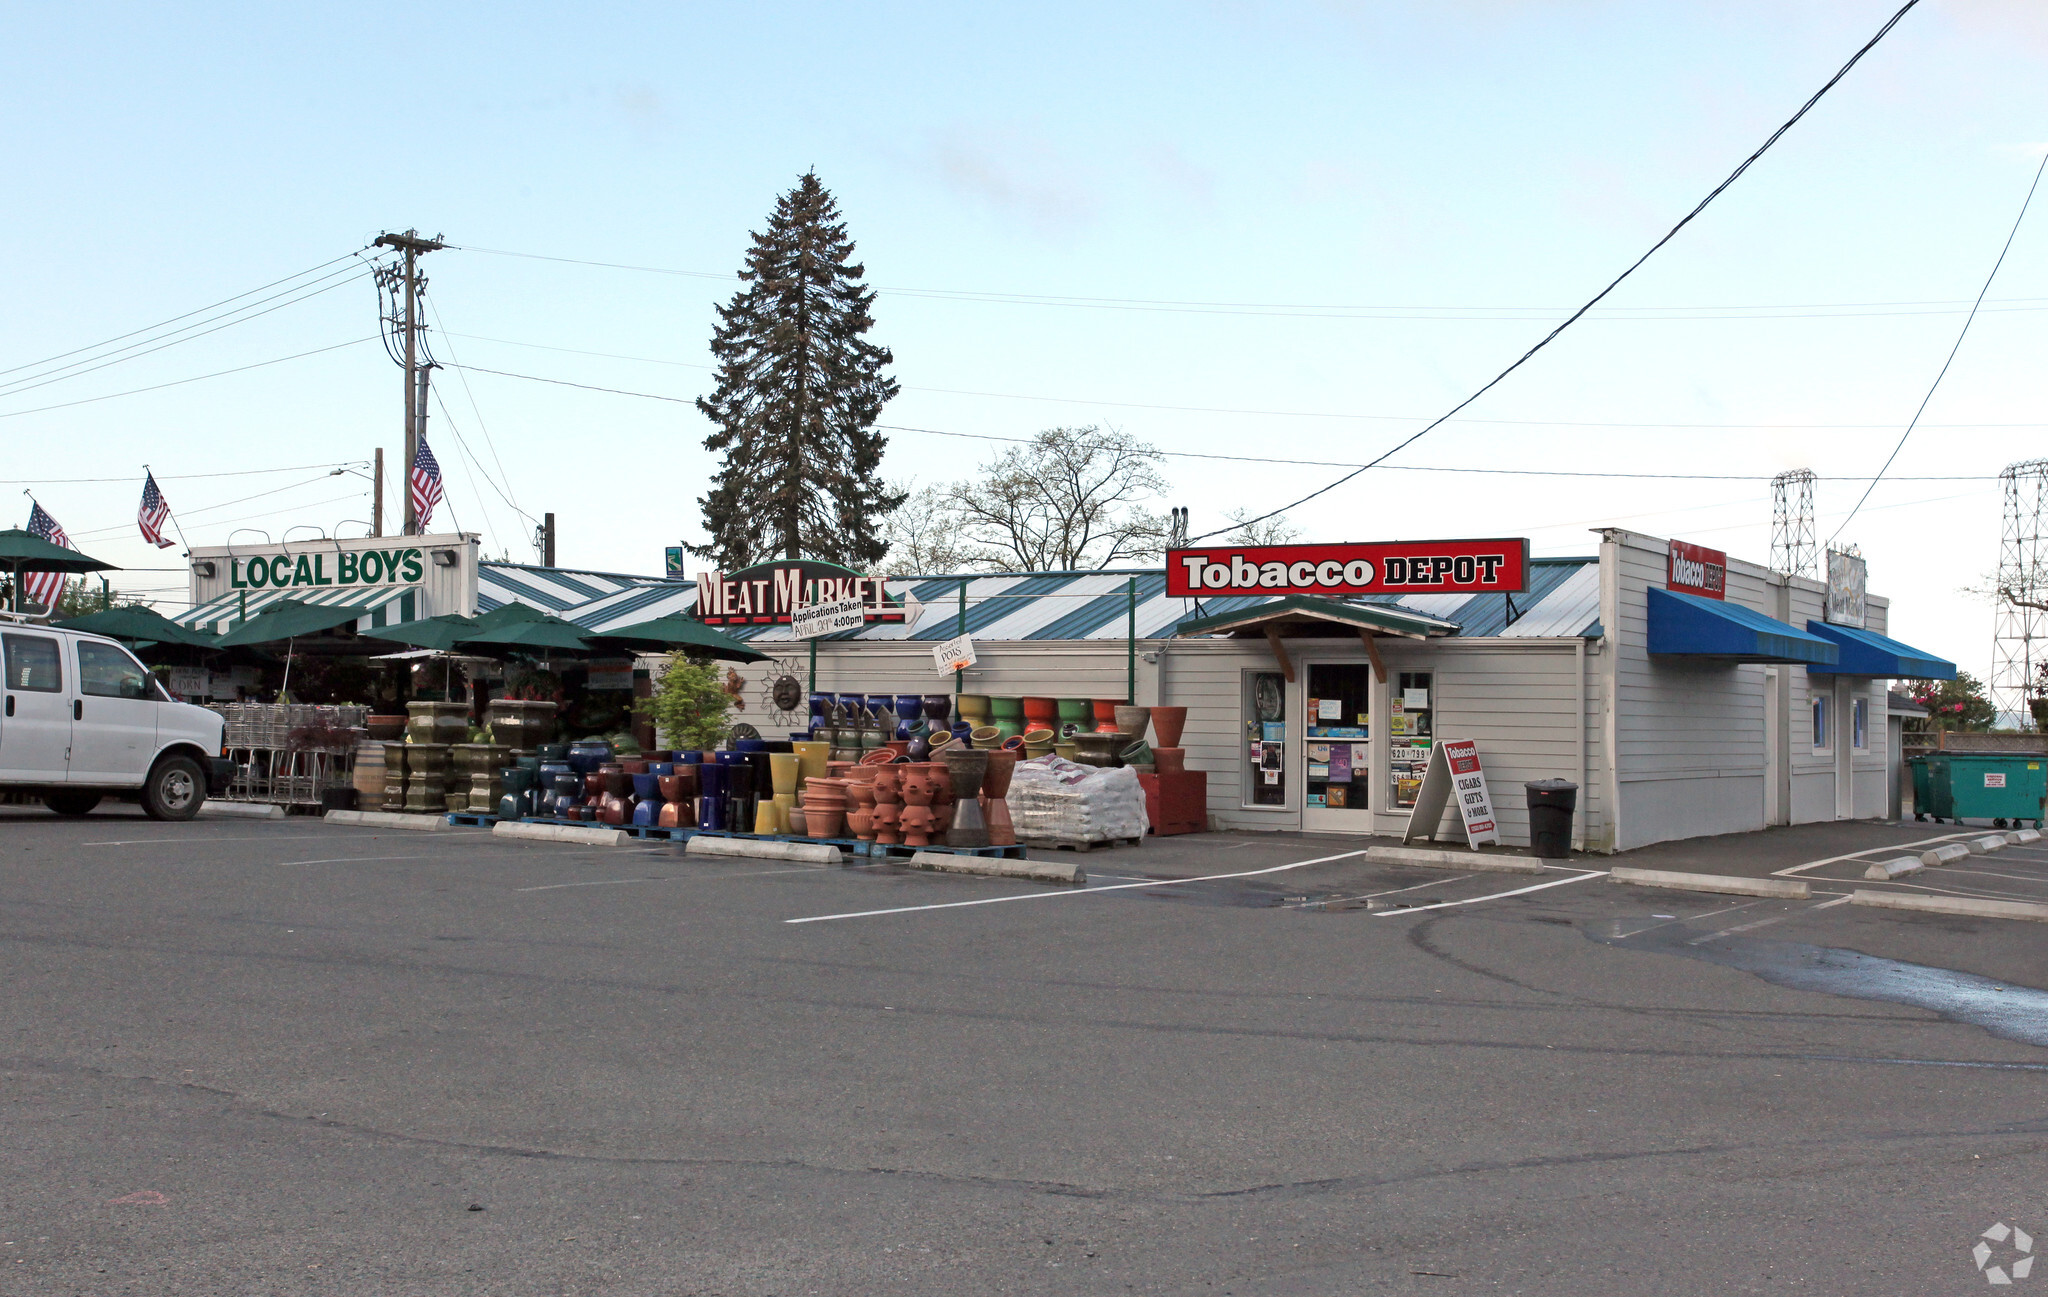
x: 1418, y: 167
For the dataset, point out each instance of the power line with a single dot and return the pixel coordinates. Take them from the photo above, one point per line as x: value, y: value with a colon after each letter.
x: 174, y: 319
x: 180, y: 382
x: 1336, y: 311
x: 1733, y: 176
x: 2010, y: 235
x: 163, y: 342
x: 1204, y: 409
x: 490, y: 443
x: 169, y: 477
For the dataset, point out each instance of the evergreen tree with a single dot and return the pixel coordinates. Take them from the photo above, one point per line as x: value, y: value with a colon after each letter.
x: 799, y: 389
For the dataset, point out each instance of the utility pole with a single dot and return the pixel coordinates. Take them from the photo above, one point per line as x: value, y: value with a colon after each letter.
x: 377, y: 497
x: 547, y: 541
x: 403, y: 284
x: 1793, y: 550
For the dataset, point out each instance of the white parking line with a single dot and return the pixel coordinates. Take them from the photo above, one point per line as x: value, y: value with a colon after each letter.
x: 345, y: 860
x: 702, y: 878
x: 1871, y: 851
x: 1490, y: 896
x: 1084, y: 891
x: 1690, y: 918
x: 167, y: 838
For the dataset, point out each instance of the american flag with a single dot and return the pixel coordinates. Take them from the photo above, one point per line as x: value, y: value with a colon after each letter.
x: 44, y: 587
x: 153, y: 514
x: 426, y: 485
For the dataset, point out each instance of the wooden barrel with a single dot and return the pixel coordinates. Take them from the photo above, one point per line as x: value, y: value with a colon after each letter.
x: 369, y: 780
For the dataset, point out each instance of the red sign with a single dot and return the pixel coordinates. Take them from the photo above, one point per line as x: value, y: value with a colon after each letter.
x: 1378, y: 567
x: 1695, y: 569
x: 768, y: 593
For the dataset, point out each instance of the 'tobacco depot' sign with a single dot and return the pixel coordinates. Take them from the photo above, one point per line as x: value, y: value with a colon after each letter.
x: 1378, y: 567
x: 1695, y: 569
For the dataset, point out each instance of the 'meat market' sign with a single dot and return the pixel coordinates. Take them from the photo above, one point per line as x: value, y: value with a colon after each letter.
x: 768, y: 593
x: 1379, y: 567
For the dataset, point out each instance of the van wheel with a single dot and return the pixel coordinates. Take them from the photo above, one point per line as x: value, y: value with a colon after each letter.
x: 175, y: 791
x: 71, y: 803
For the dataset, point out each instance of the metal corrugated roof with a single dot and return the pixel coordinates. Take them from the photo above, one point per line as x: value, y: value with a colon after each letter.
x: 1563, y: 600
x: 381, y: 608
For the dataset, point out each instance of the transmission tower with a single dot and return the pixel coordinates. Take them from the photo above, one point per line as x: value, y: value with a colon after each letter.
x: 1793, y: 549
x: 2021, y: 591
x: 401, y: 284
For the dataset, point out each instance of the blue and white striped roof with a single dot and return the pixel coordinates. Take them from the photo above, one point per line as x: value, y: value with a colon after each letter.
x: 381, y: 608
x: 550, y: 589
x: 1563, y: 600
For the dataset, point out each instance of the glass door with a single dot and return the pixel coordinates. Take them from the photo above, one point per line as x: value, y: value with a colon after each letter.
x: 1336, y: 734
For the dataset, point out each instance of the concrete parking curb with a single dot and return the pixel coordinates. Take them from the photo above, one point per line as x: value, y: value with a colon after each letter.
x: 587, y: 835
x: 243, y: 810
x: 1986, y: 846
x: 1035, y: 871
x: 1963, y: 906
x: 388, y: 820
x: 809, y: 853
x: 1946, y: 853
x: 1429, y: 859
x: 2021, y: 837
x: 1788, y: 888
x: 1884, y: 869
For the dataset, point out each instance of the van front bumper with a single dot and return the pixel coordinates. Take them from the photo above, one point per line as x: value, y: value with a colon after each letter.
x: 219, y: 774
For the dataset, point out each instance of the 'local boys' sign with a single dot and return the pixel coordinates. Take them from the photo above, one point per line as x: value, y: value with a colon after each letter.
x: 1380, y: 567
x: 768, y: 593
x: 322, y: 567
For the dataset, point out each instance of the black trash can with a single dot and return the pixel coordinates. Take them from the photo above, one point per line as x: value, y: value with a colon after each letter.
x: 1551, y: 803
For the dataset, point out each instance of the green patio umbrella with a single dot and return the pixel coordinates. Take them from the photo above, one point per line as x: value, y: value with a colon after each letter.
x: 677, y: 633
x: 540, y: 631
x: 443, y: 632
x: 22, y: 551
x: 288, y: 619
x: 136, y: 623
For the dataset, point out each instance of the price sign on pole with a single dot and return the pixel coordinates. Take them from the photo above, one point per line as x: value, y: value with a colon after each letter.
x: 956, y: 654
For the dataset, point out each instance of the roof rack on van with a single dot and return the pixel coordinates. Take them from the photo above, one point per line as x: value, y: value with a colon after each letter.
x: 27, y: 618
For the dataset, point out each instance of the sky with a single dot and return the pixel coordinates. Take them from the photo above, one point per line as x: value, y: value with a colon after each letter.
x: 1280, y: 232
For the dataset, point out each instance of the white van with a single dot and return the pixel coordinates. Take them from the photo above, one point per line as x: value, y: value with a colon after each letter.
x: 82, y: 720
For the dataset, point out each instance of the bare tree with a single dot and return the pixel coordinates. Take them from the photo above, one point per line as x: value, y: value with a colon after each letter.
x: 923, y: 534
x: 1275, y: 530
x: 1072, y: 499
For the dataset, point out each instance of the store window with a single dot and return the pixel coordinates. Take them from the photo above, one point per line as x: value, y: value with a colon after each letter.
x: 1823, y: 741
x: 1337, y: 774
x: 1860, y: 734
x: 1410, y: 731
x: 1265, y: 738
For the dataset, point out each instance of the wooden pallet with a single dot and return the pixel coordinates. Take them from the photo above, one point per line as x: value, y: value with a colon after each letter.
x: 471, y: 817
x: 898, y: 850
x: 1061, y: 844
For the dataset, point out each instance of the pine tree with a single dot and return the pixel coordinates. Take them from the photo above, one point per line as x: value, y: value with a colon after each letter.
x: 799, y: 390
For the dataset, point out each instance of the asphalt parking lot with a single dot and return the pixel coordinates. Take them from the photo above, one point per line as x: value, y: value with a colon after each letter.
x: 254, y: 1057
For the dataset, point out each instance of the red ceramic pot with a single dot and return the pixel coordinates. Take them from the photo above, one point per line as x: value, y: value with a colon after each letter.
x: 880, y: 756
x: 862, y: 823
x: 889, y: 785
x: 1041, y: 713
x: 1001, y: 765
x: 1169, y: 761
x: 1105, y: 714
x: 822, y: 823
x: 916, y: 826
x: 633, y: 765
x: 916, y: 785
x: 1001, y: 832
x: 1167, y: 724
x: 888, y: 824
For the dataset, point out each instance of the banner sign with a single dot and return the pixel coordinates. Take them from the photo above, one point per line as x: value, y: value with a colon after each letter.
x: 827, y: 618
x: 325, y: 567
x: 1378, y: 567
x: 769, y: 593
x: 1847, y: 575
x: 674, y: 562
x: 956, y: 654
x: 1695, y: 569
x: 1454, y: 772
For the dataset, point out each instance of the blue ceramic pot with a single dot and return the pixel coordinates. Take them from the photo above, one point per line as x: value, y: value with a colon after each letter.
x: 752, y: 745
x: 508, y: 806
x: 711, y: 780
x: 711, y: 812
x: 645, y: 788
x: 661, y: 767
x: 962, y: 730
x: 821, y: 707
x: 586, y: 756
x: 644, y: 813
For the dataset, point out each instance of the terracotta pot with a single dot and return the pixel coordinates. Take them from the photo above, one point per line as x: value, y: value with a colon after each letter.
x: 387, y: 728
x: 889, y: 786
x: 1169, y: 761
x: 617, y: 784
x: 1001, y: 831
x: 823, y: 823
x: 880, y: 757
x: 1133, y: 720
x: 1167, y: 723
x: 798, y: 823
x: 861, y: 797
x: 916, y: 826
x: 1001, y: 765
x: 888, y: 824
x: 862, y: 823
x: 942, y: 819
x: 918, y: 786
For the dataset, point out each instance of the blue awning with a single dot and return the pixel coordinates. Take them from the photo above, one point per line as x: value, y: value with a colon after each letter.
x: 1867, y: 653
x: 1685, y: 625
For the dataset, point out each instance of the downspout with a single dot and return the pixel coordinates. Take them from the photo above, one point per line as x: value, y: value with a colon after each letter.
x: 1579, y: 656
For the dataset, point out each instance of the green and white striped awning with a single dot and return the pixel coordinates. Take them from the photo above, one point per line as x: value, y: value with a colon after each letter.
x: 381, y: 608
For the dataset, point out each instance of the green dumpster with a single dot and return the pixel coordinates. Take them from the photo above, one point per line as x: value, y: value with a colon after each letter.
x: 2006, y: 788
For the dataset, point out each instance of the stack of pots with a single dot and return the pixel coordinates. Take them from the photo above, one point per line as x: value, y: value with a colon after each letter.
x: 1007, y: 715
x: 973, y: 710
x: 426, y: 777
x: 480, y: 783
x: 995, y: 788
x: 442, y: 723
x: 967, y: 768
x: 1073, y: 716
x: 395, y: 754
x: 521, y: 724
x: 825, y: 808
x: 1168, y: 757
x: 1105, y: 714
x: 679, y: 796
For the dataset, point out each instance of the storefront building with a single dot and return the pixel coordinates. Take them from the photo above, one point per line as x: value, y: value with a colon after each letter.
x: 384, y: 579
x: 1684, y: 692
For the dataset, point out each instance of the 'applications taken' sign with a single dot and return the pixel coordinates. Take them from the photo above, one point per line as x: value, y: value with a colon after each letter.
x: 1378, y: 567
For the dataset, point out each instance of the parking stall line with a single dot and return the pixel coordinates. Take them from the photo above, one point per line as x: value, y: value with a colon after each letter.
x: 1084, y: 891
x: 1871, y: 851
x: 1490, y: 896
